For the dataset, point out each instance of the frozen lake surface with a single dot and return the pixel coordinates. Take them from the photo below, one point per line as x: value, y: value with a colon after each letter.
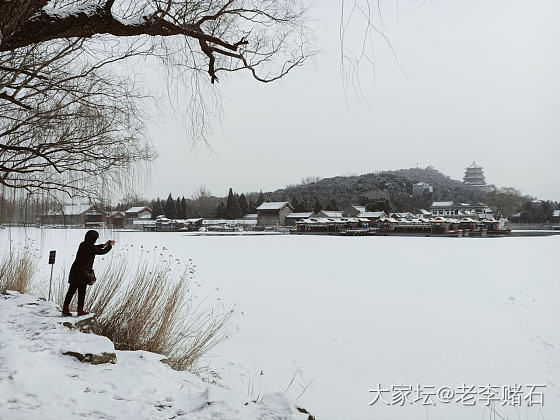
x: 345, y: 314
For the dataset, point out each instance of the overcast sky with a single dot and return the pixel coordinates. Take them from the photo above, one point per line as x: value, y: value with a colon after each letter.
x: 479, y: 81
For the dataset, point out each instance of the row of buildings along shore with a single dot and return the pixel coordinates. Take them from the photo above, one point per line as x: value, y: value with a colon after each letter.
x: 270, y: 215
x: 280, y: 215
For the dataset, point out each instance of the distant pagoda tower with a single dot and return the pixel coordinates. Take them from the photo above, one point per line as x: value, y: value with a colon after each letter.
x: 474, y: 176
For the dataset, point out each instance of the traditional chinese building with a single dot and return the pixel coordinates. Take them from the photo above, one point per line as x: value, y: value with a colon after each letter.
x: 420, y: 188
x: 474, y: 176
x: 292, y: 218
x: 354, y: 211
x: 273, y: 213
x: 83, y: 215
x: 135, y: 214
x: 457, y: 210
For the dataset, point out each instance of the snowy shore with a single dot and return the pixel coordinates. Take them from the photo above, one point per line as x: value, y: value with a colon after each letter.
x: 39, y: 381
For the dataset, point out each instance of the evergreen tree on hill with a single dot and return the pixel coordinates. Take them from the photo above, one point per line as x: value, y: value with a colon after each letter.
x: 363, y: 200
x: 229, y: 204
x: 296, y: 204
x: 252, y: 208
x: 243, y: 204
x: 235, y: 208
x: 331, y: 205
x: 260, y: 199
x: 179, y: 208
x: 157, y: 209
x: 380, y: 204
x: 153, y: 207
x: 221, y: 211
x: 304, y: 205
x: 170, y: 209
x: 184, y: 208
x: 317, y: 206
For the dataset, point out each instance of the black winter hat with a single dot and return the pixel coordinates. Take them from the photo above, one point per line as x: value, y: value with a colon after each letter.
x: 91, y: 236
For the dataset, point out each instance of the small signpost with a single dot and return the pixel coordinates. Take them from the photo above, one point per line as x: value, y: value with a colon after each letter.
x: 52, y: 257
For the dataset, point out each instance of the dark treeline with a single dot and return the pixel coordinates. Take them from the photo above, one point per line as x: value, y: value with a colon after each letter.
x: 201, y: 204
x: 536, y: 212
x: 236, y: 206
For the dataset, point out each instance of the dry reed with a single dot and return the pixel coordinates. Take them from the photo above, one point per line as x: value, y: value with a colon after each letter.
x: 16, y: 271
x: 150, y: 308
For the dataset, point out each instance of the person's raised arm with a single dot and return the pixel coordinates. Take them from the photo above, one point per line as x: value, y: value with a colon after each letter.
x: 103, y: 249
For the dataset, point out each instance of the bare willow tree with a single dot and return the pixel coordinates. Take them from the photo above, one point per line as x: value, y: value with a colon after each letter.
x: 68, y: 123
x: 65, y: 126
x: 362, y: 30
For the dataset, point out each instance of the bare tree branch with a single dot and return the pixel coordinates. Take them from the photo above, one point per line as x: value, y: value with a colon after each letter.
x: 212, y: 23
x: 65, y: 127
x: 69, y: 123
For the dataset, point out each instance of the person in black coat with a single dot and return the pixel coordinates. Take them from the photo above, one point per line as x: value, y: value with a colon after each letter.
x: 79, y: 272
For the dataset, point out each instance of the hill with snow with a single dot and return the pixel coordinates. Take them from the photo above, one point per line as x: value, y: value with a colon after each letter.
x: 395, y: 186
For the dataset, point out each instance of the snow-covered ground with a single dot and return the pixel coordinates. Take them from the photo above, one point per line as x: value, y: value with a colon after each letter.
x: 39, y: 381
x: 342, y: 315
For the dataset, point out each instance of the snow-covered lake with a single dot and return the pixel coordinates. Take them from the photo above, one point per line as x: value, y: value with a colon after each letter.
x: 348, y: 314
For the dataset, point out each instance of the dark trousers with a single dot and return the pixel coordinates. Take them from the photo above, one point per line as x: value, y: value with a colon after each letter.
x: 81, y: 294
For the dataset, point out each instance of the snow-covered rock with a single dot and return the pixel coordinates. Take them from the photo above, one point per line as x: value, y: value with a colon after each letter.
x: 82, y: 323
x: 39, y: 379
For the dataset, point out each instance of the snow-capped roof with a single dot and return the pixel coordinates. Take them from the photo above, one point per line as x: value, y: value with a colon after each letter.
x: 71, y: 210
x: 371, y: 214
x: 360, y: 208
x: 144, y: 222
x: 402, y: 214
x: 328, y: 220
x: 442, y: 204
x: 425, y: 212
x: 231, y: 222
x: 251, y: 216
x: 474, y: 166
x: 300, y: 215
x: 332, y: 213
x: 555, y: 213
x: 274, y: 205
x: 138, y: 209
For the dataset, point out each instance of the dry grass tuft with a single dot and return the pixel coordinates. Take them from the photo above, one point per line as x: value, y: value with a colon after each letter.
x: 16, y: 270
x: 150, y: 308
